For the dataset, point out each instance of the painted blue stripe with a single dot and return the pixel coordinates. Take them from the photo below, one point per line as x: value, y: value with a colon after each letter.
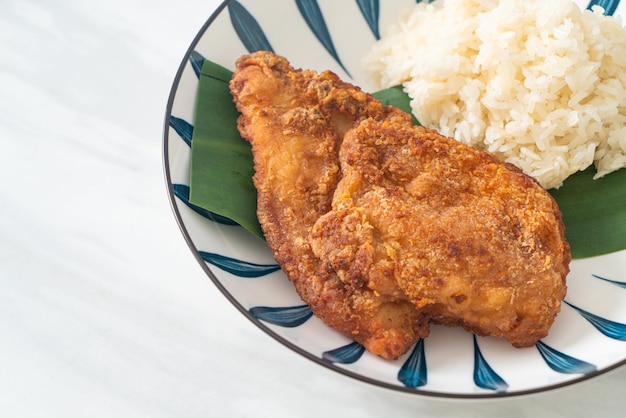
x: 247, y: 28
x: 183, y: 128
x: 616, y: 283
x: 290, y: 316
x: 238, y: 267
x: 484, y: 376
x: 413, y: 372
x: 370, y: 9
x: 197, y: 61
x: 312, y: 14
x: 182, y: 192
x: 609, y: 6
x: 346, y: 354
x: 611, y: 329
x: 561, y: 362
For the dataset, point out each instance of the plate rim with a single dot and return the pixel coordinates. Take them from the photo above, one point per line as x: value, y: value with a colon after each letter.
x: 267, y: 330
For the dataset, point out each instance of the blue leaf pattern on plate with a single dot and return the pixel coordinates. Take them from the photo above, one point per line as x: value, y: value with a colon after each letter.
x: 312, y: 14
x: 484, y: 376
x: 182, y: 192
x: 289, y: 317
x: 561, y: 362
x: 609, y: 6
x: 620, y: 284
x: 196, y: 60
x: 371, y: 12
x: 182, y: 128
x: 238, y: 267
x: 247, y: 28
x: 347, y: 354
x: 611, y: 329
x: 413, y: 372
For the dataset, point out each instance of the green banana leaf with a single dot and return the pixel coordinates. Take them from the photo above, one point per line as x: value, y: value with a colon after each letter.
x: 221, y: 161
x: 594, y: 211
x: 395, y: 96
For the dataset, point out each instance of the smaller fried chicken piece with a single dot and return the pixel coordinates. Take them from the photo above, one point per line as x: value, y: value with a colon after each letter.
x: 472, y: 241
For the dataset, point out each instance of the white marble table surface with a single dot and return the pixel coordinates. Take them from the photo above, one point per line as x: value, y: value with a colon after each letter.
x: 104, y: 312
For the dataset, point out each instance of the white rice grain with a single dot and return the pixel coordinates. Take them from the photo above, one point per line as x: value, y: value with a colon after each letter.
x: 541, y: 84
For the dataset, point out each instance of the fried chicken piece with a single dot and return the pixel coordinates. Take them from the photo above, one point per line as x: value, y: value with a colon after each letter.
x: 471, y: 240
x: 295, y: 121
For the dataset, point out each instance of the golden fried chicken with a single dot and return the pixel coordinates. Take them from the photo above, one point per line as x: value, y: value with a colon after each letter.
x: 296, y: 121
x: 472, y: 241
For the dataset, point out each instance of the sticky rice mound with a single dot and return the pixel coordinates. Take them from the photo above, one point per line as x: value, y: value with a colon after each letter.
x: 540, y: 84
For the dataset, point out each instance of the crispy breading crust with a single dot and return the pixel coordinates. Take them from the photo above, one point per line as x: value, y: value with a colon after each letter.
x: 383, y: 227
x: 295, y: 121
x: 471, y: 240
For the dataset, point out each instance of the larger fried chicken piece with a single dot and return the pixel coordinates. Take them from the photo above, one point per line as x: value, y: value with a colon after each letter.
x: 296, y: 121
x: 472, y: 241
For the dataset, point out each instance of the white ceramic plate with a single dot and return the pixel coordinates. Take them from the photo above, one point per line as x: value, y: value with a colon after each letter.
x: 587, y: 339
